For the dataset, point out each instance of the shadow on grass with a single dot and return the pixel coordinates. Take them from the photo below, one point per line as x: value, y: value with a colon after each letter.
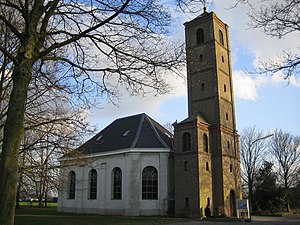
x: 42, y: 216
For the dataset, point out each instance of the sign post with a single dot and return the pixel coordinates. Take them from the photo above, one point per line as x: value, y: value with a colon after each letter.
x: 243, y: 208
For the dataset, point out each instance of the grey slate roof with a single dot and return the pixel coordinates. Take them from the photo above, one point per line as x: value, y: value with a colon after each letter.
x: 137, y: 131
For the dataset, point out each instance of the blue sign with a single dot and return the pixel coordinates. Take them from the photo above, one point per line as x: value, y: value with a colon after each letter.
x: 242, y: 204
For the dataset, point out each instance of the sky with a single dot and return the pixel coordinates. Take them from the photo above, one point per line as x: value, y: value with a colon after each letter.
x: 267, y: 102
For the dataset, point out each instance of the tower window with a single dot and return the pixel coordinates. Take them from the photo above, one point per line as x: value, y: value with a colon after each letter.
x: 221, y: 38
x: 200, y: 36
x: 226, y: 116
x: 207, y: 166
x: 201, y: 58
x: 228, y: 145
x: 186, y: 142
x: 223, y: 59
x: 202, y: 87
x: 205, y: 143
x: 186, y: 166
x: 187, y: 202
x: 231, y: 168
x: 225, y: 88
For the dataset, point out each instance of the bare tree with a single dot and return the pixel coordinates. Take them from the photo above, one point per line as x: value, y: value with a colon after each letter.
x: 252, y: 148
x: 277, y: 19
x: 285, y: 148
x: 54, y: 135
x: 169, y: 127
x: 97, y: 46
x: 54, y: 124
x: 192, y: 6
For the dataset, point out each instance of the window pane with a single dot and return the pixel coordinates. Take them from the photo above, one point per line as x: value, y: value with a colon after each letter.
x: 149, y: 183
x: 205, y: 143
x: 117, y: 183
x: 72, y: 185
x: 93, y: 184
x: 186, y: 142
x: 221, y: 39
x: 200, y: 36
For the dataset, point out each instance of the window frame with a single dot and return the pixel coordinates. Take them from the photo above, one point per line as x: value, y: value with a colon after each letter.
x: 93, y: 180
x: 200, y: 36
x: 202, y: 86
x: 117, y: 183
x: 71, y: 184
x: 149, y: 183
x: 186, y: 166
x: 207, y: 166
x: 186, y: 142
x: 221, y: 37
x: 205, y: 143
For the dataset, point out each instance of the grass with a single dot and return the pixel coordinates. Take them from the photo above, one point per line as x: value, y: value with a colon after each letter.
x: 49, y: 216
x: 35, y: 204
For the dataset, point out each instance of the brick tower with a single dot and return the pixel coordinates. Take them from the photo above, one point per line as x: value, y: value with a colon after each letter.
x: 206, y: 156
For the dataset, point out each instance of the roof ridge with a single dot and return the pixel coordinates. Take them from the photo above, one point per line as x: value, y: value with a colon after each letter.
x: 155, y: 131
x: 138, y: 131
x: 129, y: 116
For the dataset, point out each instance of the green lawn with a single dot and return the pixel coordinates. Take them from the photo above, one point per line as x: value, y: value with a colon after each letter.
x: 49, y: 216
x: 35, y: 204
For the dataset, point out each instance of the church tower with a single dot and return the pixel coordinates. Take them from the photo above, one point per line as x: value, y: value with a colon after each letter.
x: 206, y: 155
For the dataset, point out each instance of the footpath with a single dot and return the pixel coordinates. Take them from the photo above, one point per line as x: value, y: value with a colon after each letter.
x: 256, y: 220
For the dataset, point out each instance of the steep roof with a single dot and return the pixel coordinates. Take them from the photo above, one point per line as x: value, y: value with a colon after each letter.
x: 137, y: 131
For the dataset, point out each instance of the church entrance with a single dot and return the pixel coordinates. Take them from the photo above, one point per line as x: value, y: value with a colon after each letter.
x: 232, y: 204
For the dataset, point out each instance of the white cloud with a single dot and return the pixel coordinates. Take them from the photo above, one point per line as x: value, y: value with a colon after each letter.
x: 262, y: 46
x: 245, y: 87
x: 295, y: 81
x: 130, y: 105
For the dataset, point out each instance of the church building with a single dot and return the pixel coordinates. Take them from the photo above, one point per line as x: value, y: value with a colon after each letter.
x: 136, y: 167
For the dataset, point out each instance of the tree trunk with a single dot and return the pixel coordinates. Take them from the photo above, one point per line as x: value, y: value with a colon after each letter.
x: 250, y: 194
x: 18, y: 197
x: 13, y: 133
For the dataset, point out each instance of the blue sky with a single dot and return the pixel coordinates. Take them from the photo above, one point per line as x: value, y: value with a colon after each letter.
x: 264, y: 101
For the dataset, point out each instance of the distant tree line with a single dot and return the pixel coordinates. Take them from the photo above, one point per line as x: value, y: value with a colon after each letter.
x: 270, y: 170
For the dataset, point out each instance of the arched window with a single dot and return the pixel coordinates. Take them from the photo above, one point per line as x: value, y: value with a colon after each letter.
x: 201, y: 58
x: 205, y: 143
x: 228, y: 146
x: 207, y: 166
x: 149, y: 183
x: 72, y: 185
x: 200, y: 36
x: 93, y: 184
x: 221, y: 38
x: 186, y: 166
x: 202, y: 87
x: 186, y: 142
x: 187, y: 202
x: 117, y: 183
